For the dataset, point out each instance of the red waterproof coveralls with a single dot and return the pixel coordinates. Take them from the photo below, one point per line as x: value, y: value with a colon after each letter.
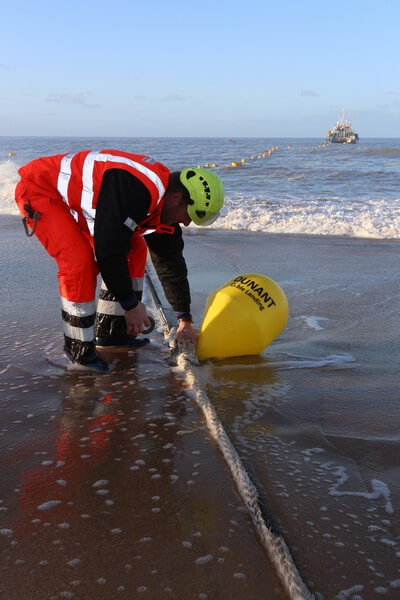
x: 64, y: 189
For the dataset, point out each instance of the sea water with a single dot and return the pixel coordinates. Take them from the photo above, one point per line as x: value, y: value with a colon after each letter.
x: 303, y: 187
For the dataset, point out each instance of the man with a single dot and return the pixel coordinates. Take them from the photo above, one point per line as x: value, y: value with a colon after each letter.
x: 92, y: 211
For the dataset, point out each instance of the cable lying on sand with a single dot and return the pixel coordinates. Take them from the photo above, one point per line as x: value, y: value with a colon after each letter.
x: 274, y: 543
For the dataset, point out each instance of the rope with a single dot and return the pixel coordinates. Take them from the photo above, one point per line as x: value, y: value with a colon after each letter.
x: 259, y: 155
x: 273, y: 543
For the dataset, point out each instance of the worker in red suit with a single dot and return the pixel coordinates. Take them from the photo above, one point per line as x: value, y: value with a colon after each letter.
x: 99, y: 211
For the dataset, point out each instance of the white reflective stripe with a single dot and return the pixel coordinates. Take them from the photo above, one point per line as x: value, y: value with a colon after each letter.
x: 78, y: 309
x: 130, y: 223
x: 135, y: 165
x: 89, y: 212
x: 110, y: 307
x: 64, y: 176
x: 113, y: 307
x: 87, y: 180
x: 83, y: 334
x: 137, y: 284
x: 148, y: 231
x: 63, y: 180
x: 87, y: 192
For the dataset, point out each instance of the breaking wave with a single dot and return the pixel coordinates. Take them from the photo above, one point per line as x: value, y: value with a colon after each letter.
x: 313, y: 216
x: 8, y: 180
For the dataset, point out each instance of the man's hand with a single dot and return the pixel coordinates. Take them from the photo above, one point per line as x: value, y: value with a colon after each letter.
x: 186, y: 333
x: 136, y: 320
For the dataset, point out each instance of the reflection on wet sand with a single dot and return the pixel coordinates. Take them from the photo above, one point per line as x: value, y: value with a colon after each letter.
x: 113, y: 493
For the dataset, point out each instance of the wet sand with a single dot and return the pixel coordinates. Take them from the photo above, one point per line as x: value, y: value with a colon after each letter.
x: 110, y: 484
x: 316, y: 418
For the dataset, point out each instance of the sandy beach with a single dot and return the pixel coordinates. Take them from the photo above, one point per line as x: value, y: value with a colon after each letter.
x: 111, y: 485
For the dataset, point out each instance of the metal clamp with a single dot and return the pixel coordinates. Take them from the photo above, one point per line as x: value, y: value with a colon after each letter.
x: 34, y: 215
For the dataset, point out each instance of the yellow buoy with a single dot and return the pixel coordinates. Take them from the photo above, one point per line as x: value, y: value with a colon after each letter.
x: 242, y: 317
x: 207, y: 165
x: 253, y: 157
x: 214, y: 165
x: 243, y: 160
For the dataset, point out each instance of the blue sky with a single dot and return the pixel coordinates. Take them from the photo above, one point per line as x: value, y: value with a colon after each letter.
x: 255, y: 68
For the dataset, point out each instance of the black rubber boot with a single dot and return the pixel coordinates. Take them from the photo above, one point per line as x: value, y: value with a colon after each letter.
x: 84, y: 353
x: 94, y: 362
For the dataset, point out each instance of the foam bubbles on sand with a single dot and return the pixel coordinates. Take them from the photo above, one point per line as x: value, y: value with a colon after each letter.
x: 315, y: 322
x: 349, y: 593
x: 299, y: 363
x: 6, y: 532
x: 203, y: 560
x: 100, y: 483
x: 74, y: 562
x: 379, y: 489
x: 49, y: 505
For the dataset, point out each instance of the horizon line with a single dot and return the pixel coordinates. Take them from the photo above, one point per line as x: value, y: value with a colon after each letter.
x: 191, y: 137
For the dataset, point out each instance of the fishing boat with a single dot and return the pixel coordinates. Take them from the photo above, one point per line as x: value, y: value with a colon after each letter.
x: 342, y: 132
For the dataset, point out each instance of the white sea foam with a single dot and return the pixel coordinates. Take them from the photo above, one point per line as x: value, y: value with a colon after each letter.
x: 312, y: 363
x: 379, y: 489
x: 8, y: 180
x: 348, y: 593
x: 370, y: 218
x: 100, y: 483
x: 49, y: 505
x: 314, y: 322
x: 377, y: 218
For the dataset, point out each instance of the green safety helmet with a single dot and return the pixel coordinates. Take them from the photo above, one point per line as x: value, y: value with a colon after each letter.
x: 206, y: 194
